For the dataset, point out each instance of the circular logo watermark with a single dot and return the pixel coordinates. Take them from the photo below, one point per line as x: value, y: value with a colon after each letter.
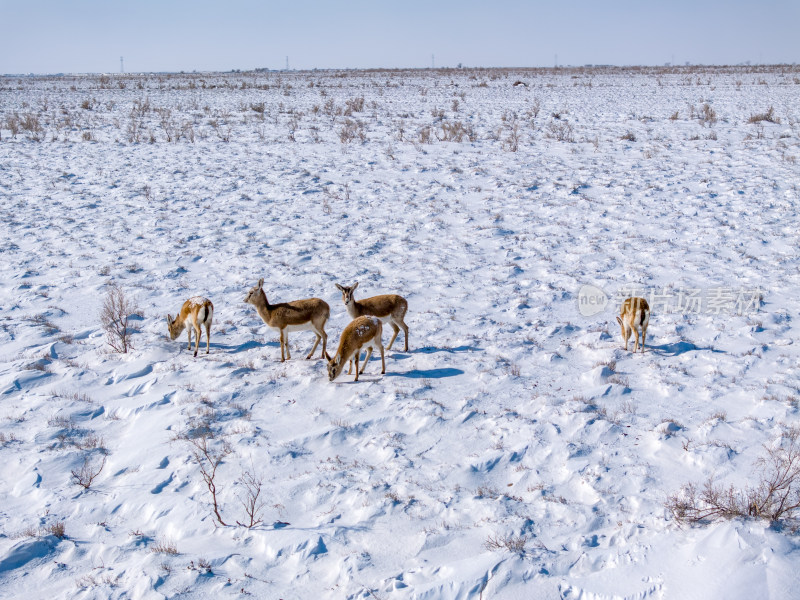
x: 591, y: 300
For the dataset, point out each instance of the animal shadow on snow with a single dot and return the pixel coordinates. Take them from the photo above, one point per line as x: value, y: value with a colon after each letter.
x: 433, y: 373
x: 440, y: 373
x: 678, y: 348
x: 249, y: 345
x: 428, y: 373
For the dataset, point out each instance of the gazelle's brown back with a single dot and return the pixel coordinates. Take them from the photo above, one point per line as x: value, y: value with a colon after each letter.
x: 635, y: 311
x: 385, y: 305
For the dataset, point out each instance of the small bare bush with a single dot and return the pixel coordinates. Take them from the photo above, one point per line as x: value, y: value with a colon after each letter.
x: 251, y: 499
x: 57, y: 529
x: 511, y: 143
x: 12, y: 124
x: 486, y: 491
x: 776, y: 497
x: 352, y: 130
x: 768, y: 116
x: 425, y: 135
x: 209, y: 457
x: 511, y: 543
x: 454, y: 132
x: 30, y: 122
x: 708, y: 116
x: 354, y: 105
x: 88, y: 472
x: 115, y: 316
x: 165, y: 546
x: 561, y: 131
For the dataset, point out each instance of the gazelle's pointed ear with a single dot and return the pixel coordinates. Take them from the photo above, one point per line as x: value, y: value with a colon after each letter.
x: 341, y: 289
x: 169, y: 319
x: 260, y: 282
x: 355, y: 285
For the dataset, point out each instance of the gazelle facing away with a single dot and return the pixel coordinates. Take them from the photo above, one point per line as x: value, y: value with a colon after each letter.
x: 389, y: 308
x: 195, y: 312
x: 360, y: 332
x: 300, y: 315
x: 634, y: 316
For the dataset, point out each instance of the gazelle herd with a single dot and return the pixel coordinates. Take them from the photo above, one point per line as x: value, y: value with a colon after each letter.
x: 365, y: 330
x: 309, y: 314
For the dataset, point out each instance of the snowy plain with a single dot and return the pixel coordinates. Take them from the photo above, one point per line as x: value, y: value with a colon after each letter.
x: 516, y: 451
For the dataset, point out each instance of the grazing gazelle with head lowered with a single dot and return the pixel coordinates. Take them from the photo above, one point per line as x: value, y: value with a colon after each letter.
x: 634, y: 317
x: 300, y: 315
x: 195, y: 312
x: 360, y: 332
x: 389, y: 308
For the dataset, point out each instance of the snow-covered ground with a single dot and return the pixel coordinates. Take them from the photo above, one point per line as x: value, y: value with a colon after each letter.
x: 516, y: 451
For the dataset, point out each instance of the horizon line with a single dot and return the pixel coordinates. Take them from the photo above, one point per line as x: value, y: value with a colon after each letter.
x: 397, y: 69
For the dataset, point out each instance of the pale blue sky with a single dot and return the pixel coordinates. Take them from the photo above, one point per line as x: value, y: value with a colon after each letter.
x: 51, y: 36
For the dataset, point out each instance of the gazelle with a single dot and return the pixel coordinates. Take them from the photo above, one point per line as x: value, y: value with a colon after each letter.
x: 389, y: 308
x: 360, y: 332
x: 300, y: 315
x: 194, y: 312
x: 634, y: 316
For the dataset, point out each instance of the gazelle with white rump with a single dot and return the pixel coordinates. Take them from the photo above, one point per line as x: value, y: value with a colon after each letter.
x: 634, y: 317
x: 360, y: 332
x: 195, y: 312
x: 389, y: 308
x: 309, y: 314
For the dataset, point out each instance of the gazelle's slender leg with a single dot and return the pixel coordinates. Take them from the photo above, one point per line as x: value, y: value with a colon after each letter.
x: 196, y: 338
x: 396, y: 330
x: 325, y: 346
x: 366, y: 358
x: 316, y: 343
x: 405, y: 336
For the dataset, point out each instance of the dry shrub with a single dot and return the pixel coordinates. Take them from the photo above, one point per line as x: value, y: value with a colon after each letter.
x: 165, y: 546
x: 88, y: 472
x: 708, y: 116
x: 115, y: 316
x: 251, y: 499
x: 354, y: 105
x: 768, y: 116
x: 352, y: 130
x: 561, y: 131
x: 209, y: 457
x: 57, y: 529
x: 776, y: 497
x: 425, y: 135
x: 511, y: 543
x: 454, y: 132
x: 12, y: 124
